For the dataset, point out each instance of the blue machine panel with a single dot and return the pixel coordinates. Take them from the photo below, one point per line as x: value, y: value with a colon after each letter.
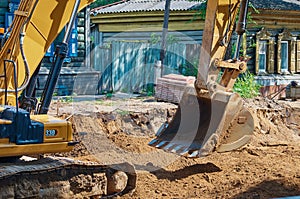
x: 22, y: 130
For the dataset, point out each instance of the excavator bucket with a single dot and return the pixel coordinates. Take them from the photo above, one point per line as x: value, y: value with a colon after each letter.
x: 213, y: 119
x: 204, y: 124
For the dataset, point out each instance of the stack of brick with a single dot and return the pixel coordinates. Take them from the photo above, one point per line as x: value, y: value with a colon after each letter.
x: 170, y: 87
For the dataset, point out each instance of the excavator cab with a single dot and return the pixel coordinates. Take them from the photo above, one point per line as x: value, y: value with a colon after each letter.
x: 210, y: 117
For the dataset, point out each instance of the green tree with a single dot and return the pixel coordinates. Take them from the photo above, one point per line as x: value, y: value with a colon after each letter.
x: 98, y: 3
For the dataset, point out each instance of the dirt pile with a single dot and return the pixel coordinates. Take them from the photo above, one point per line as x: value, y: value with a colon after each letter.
x: 276, y: 122
x: 266, y: 167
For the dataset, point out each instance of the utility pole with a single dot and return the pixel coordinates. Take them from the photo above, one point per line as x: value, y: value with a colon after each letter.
x: 164, y: 34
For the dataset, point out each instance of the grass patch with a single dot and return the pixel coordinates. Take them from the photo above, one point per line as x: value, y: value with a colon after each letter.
x: 246, y: 86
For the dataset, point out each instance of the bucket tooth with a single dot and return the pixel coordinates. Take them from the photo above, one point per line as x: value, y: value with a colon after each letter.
x: 153, y: 142
x: 193, y: 154
x: 161, y: 144
x: 174, y: 150
x: 183, y: 151
x: 169, y: 146
x: 161, y: 129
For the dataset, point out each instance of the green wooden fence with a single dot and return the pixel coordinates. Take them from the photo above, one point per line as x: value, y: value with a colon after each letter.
x: 130, y: 66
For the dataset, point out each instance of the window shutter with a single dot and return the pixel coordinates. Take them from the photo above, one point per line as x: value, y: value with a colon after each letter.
x: 271, y: 56
x: 279, y: 57
x: 264, y: 60
x: 261, y: 56
x: 285, y: 64
x: 298, y: 56
x: 293, y: 56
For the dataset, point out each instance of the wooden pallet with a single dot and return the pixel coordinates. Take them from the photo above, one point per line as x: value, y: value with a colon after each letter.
x: 170, y: 87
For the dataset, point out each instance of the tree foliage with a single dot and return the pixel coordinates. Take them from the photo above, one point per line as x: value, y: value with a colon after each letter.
x: 98, y: 3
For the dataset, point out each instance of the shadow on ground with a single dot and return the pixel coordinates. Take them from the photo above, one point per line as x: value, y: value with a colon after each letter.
x: 270, y: 189
x: 185, y: 172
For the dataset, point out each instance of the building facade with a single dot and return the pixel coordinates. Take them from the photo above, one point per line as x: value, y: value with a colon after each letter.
x: 273, y: 34
x: 274, y: 44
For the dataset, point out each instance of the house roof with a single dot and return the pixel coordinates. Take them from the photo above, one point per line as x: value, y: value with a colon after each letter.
x: 181, y: 5
x: 147, y: 5
x: 276, y: 4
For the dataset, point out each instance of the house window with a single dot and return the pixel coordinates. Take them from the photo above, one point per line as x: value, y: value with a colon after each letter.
x: 286, y: 53
x: 284, y: 56
x: 264, y: 61
x: 8, y: 19
x: 262, y: 57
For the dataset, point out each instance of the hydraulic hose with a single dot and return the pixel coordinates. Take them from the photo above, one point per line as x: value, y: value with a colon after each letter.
x: 23, y: 7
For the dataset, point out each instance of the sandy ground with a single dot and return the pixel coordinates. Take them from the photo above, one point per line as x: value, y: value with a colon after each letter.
x: 118, y: 130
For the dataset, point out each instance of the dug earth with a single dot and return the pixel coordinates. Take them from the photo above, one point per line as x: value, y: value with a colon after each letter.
x: 113, y: 131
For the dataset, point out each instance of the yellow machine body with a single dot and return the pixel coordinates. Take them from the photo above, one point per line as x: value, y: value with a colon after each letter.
x: 35, y: 26
x: 58, y: 137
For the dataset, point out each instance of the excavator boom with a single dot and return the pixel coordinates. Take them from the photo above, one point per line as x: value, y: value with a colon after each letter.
x: 35, y: 25
x: 210, y: 116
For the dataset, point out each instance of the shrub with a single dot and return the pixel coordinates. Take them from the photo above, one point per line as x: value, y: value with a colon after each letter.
x: 246, y: 85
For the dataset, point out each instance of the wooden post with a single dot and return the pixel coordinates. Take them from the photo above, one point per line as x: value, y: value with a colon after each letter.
x: 87, y: 32
x: 164, y: 34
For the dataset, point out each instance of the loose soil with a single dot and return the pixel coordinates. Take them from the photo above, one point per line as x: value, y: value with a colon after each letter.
x: 118, y: 130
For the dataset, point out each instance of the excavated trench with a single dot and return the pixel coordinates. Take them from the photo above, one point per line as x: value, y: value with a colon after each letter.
x: 271, y: 158
x: 114, y: 133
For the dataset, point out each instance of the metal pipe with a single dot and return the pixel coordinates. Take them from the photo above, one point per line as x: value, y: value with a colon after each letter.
x: 72, y: 20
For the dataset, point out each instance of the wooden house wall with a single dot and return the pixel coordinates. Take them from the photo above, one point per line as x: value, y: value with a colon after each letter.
x: 3, y: 9
x: 273, y: 56
x: 78, y: 61
x: 77, y: 77
x: 276, y: 19
x: 277, y: 22
x: 143, y: 21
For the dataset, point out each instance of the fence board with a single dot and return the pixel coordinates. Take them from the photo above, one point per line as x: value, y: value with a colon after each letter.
x: 131, y: 67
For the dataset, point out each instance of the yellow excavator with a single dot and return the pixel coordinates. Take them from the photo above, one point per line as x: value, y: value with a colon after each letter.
x: 210, y: 116
x: 35, y: 25
x: 25, y: 127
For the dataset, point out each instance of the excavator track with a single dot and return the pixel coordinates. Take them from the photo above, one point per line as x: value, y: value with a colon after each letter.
x: 64, y: 177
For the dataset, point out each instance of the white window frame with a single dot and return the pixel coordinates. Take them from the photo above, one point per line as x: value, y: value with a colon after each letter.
x: 286, y: 60
x: 263, y: 50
